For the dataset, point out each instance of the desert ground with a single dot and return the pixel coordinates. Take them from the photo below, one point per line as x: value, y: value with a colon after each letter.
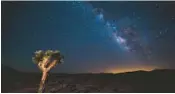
x: 156, y: 81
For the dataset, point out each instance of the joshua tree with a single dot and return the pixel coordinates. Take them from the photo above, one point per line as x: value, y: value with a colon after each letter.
x: 46, y: 61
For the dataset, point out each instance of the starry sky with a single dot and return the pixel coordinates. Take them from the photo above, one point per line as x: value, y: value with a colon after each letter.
x: 93, y: 36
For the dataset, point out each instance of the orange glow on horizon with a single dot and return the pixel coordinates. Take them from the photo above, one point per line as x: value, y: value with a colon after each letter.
x: 131, y: 69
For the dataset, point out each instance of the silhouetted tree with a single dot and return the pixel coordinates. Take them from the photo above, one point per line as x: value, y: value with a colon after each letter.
x: 46, y: 61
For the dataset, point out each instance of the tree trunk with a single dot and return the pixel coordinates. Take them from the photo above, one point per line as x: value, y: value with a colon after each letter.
x: 42, y: 83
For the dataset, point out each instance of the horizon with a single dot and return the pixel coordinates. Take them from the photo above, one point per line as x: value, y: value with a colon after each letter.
x: 112, y: 72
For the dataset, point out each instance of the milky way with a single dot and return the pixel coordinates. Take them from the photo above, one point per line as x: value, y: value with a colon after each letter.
x: 126, y: 37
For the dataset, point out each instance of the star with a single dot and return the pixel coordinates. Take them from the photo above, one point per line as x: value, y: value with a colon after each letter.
x: 160, y: 32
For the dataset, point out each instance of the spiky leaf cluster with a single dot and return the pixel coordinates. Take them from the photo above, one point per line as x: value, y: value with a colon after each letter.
x: 38, y: 56
x: 54, y: 55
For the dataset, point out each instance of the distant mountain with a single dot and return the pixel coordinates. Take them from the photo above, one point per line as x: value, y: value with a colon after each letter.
x: 6, y: 69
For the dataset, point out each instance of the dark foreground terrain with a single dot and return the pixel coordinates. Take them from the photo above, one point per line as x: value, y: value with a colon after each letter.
x: 139, y: 81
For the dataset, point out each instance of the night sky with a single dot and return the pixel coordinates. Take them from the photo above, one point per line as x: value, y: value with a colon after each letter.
x: 92, y: 36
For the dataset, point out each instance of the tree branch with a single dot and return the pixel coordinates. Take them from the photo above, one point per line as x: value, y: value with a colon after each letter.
x: 52, y: 64
x: 46, y: 61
